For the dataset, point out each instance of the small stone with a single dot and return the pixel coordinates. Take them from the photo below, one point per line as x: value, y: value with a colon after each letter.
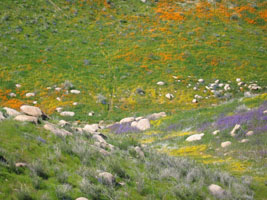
x: 201, y: 80
x: 139, y: 152
x: 169, y: 96
x: 20, y: 164
x: 48, y: 88
x: 12, y: 94
x: 227, y: 87
x: 75, y: 92
x: 26, y: 118
x: 30, y: 94
x: 216, y: 190
x: 58, y: 89
x: 235, y: 129
x: 221, y: 85
x: 67, y: 114
x: 195, y: 137
x: 154, y: 116
x: 250, y: 133
x: 18, y: 86
x: 194, y: 101
x: 106, y: 178
x: 194, y: 88
x: 92, y: 113
x: 226, y: 144
x: 215, y: 132
x: 247, y: 94
x: 265, y: 112
x: 143, y: 124
x: 238, y: 80
x: 244, y: 140
x: 63, y: 123
x: 127, y: 120
x: 75, y: 103
x: 160, y: 83
x: 59, y: 109
x: 58, y: 98
x: 34, y: 102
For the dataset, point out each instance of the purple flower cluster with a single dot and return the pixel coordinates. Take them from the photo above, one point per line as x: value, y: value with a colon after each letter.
x: 254, y: 120
x: 123, y: 128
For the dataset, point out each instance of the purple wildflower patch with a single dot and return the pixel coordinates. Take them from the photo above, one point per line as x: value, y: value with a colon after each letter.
x: 253, y: 119
x: 123, y: 128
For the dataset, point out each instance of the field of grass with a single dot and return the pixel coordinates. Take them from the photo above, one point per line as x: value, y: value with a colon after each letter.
x: 115, y: 52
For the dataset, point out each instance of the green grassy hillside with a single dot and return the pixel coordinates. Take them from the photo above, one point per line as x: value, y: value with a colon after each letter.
x: 201, y: 62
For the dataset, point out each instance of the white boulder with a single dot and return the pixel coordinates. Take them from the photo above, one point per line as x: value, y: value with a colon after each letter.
x: 226, y: 144
x: 195, y: 137
x: 30, y: 94
x: 127, y: 120
x: 67, y: 114
x: 26, y: 118
x: 75, y: 92
x: 169, y: 96
x: 216, y: 190
x: 11, y: 112
x: 235, y: 129
x: 91, y: 128
x: 31, y: 110
x: 143, y: 124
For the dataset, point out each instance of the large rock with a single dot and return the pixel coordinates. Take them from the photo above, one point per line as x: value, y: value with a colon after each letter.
x: 156, y: 116
x: 127, y: 120
x: 195, y: 137
x: 11, y: 112
x: 143, y: 124
x: 67, y: 114
x: 91, y: 128
x: 99, y: 138
x: 1, y: 116
x: 26, y: 118
x: 55, y: 130
x: 63, y: 123
x: 106, y: 178
x: 235, y: 130
x: 31, y: 110
x: 216, y: 190
x: 226, y: 144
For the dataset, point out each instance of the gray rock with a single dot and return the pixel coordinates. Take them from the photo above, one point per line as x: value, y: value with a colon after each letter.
x: 195, y: 137
x: 31, y: 110
x: 139, y: 152
x: 99, y: 138
x: 75, y: 92
x: 216, y: 191
x: 63, y: 123
x: 127, y: 120
x: 67, y: 114
x: 30, y: 94
x: 235, y: 130
x: 226, y: 144
x: 26, y: 118
x: 169, y: 96
x: 160, y: 83
x: 91, y: 128
x: 215, y: 132
x: 156, y: 116
x: 11, y: 112
x: 56, y: 130
x: 143, y: 124
x: 249, y: 133
x: 106, y: 178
